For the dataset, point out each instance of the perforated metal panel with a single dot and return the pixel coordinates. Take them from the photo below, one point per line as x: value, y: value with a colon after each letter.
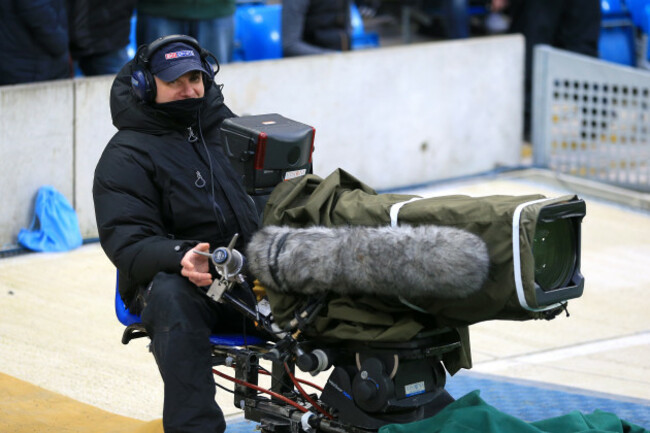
x: 591, y: 118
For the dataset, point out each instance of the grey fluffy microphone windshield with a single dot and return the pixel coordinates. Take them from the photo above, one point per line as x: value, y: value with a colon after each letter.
x: 430, y: 261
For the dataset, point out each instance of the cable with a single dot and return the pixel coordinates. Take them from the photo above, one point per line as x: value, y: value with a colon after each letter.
x: 218, y: 213
x: 263, y: 370
x: 304, y: 394
x: 224, y: 388
x: 285, y: 383
x: 260, y: 389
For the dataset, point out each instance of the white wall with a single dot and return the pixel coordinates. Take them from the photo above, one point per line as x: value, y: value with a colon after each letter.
x: 36, y: 148
x: 392, y: 117
x: 93, y: 129
x: 397, y: 116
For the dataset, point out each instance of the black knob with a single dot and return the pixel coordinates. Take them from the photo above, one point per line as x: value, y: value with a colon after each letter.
x: 307, y: 362
x: 366, y: 390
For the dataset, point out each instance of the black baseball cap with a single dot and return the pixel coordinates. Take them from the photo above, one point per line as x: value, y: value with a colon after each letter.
x: 175, y: 59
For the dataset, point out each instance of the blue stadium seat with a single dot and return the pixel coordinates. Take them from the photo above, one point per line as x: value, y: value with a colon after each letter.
x: 617, y: 41
x: 258, y: 33
x: 360, y: 38
x: 612, y: 7
x: 123, y: 314
x: 640, y: 12
x: 129, y: 319
x: 133, y: 45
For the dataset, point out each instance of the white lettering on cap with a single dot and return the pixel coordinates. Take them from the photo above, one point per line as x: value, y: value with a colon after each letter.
x: 177, y: 54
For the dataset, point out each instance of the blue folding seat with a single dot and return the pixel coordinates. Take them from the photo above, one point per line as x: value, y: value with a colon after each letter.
x: 617, y: 41
x: 360, y: 38
x: 258, y: 32
x: 135, y: 329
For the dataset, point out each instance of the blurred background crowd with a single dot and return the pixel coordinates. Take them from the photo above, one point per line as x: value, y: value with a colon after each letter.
x: 53, y: 39
x: 57, y: 39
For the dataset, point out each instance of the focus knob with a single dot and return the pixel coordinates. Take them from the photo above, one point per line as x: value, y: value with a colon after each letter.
x: 366, y: 390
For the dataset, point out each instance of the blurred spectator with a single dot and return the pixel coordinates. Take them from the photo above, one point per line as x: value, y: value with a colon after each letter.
x: 99, y: 34
x: 454, y: 15
x: 315, y: 26
x: 210, y: 22
x: 572, y: 25
x: 33, y: 41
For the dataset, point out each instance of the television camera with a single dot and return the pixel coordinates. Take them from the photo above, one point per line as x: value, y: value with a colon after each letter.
x: 384, y: 309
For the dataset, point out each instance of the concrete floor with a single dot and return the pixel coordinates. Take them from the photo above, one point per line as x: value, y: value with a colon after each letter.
x: 58, y: 329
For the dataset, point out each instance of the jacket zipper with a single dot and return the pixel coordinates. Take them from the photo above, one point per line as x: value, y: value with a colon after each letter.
x: 191, y: 136
x: 200, y: 181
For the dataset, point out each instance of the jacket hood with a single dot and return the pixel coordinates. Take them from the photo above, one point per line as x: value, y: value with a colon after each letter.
x: 128, y: 112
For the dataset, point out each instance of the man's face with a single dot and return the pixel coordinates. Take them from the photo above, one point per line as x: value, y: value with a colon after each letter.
x: 189, y: 85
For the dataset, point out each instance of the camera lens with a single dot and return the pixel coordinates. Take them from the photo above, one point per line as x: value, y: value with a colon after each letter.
x: 554, y: 253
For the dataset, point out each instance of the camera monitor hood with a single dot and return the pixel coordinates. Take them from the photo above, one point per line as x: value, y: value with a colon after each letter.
x: 267, y: 149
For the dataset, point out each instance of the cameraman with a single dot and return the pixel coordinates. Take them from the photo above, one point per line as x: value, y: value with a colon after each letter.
x: 163, y: 187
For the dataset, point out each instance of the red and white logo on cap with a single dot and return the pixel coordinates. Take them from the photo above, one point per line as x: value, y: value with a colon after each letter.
x: 177, y: 54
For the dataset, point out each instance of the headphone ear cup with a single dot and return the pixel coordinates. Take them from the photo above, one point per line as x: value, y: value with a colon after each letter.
x: 143, y: 84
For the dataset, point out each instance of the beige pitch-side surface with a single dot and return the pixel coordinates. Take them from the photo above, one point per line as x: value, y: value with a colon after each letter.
x: 58, y: 329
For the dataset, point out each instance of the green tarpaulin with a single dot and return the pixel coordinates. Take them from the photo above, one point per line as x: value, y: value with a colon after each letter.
x: 470, y: 414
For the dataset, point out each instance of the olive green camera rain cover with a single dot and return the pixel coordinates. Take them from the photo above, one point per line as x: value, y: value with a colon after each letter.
x: 340, y: 199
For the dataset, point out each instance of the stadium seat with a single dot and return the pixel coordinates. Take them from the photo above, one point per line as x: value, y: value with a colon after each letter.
x: 360, y: 38
x: 258, y: 33
x: 617, y: 41
x: 135, y: 329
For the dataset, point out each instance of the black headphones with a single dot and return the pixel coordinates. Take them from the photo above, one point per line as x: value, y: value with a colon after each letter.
x: 142, y: 80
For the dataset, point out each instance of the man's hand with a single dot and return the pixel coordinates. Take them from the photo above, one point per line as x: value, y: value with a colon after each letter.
x: 196, y: 267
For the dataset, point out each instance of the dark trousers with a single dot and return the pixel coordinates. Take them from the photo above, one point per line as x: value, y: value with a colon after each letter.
x: 179, y: 320
x: 572, y: 25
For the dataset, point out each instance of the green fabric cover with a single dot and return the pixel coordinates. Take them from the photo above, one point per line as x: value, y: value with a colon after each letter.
x: 310, y: 200
x: 340, y: 199
x: 470, y: 414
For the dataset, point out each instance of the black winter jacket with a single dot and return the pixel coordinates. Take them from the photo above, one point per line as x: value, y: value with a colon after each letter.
x: 99, y: 26
x: 161, y: 187
x: 33, y: 41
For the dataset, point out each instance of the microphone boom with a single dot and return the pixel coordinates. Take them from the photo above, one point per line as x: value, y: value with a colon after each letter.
x: 423, y: 261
